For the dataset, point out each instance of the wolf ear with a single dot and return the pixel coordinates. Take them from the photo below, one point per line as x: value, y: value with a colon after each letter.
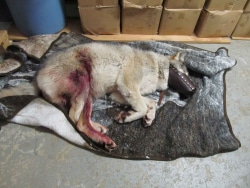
x: 179, y: 56
x: 178, y: 61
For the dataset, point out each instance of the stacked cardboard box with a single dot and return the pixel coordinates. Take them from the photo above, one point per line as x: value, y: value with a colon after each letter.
x: 180, y: 17
x: 100, y: 16
x: 141, y: 16
x: 243, y: 27
x: 219, y: 18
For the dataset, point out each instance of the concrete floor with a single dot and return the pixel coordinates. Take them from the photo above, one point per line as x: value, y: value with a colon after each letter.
x: 36, y: 158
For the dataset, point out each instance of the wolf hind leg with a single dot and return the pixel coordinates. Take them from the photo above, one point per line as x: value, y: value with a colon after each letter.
x: 93, y: 130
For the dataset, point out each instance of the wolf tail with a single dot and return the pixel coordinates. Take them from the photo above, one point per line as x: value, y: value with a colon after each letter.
x: 22, y: 89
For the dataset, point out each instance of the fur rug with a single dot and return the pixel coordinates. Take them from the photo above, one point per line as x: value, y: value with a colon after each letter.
x: 195, y: 126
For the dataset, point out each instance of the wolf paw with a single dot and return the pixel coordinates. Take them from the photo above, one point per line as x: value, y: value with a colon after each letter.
x: 110, y: 145
x: 122, y: 116
x: 150, y: 116
x: 101, y: 139
x: 95, y: 132
x: 147, y: 121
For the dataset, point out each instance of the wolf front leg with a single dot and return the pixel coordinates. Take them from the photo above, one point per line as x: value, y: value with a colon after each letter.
x: 89, y: 128
x: 41, y: 113
x: 142, y: 107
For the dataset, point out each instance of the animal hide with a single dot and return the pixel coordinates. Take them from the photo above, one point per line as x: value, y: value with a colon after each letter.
x: 193, y: 126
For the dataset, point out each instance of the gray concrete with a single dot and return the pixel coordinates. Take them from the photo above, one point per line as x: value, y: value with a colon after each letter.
x: 36, y: 158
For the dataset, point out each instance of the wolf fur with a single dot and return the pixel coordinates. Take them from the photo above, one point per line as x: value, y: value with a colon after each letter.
x: 73, y: 78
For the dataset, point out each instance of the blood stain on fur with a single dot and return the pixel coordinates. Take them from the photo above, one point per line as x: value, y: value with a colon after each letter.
x: 76, y: 77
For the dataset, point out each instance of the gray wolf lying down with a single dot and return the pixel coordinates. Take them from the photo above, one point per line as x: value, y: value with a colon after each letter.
x: 73, y: 78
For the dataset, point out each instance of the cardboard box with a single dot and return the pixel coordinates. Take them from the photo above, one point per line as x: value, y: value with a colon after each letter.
x: 100, y: 20
x: 143, y: 3
x: 178, y: 21
x: 247, y: 6
x: 217, y: 23
x: 184, y: 4
x: 243, y: 27
x: 141, y: 20
x: 84, y: 3
x: 225, y: 4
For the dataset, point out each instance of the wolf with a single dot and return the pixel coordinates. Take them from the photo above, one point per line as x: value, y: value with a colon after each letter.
x: 75, y: 77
